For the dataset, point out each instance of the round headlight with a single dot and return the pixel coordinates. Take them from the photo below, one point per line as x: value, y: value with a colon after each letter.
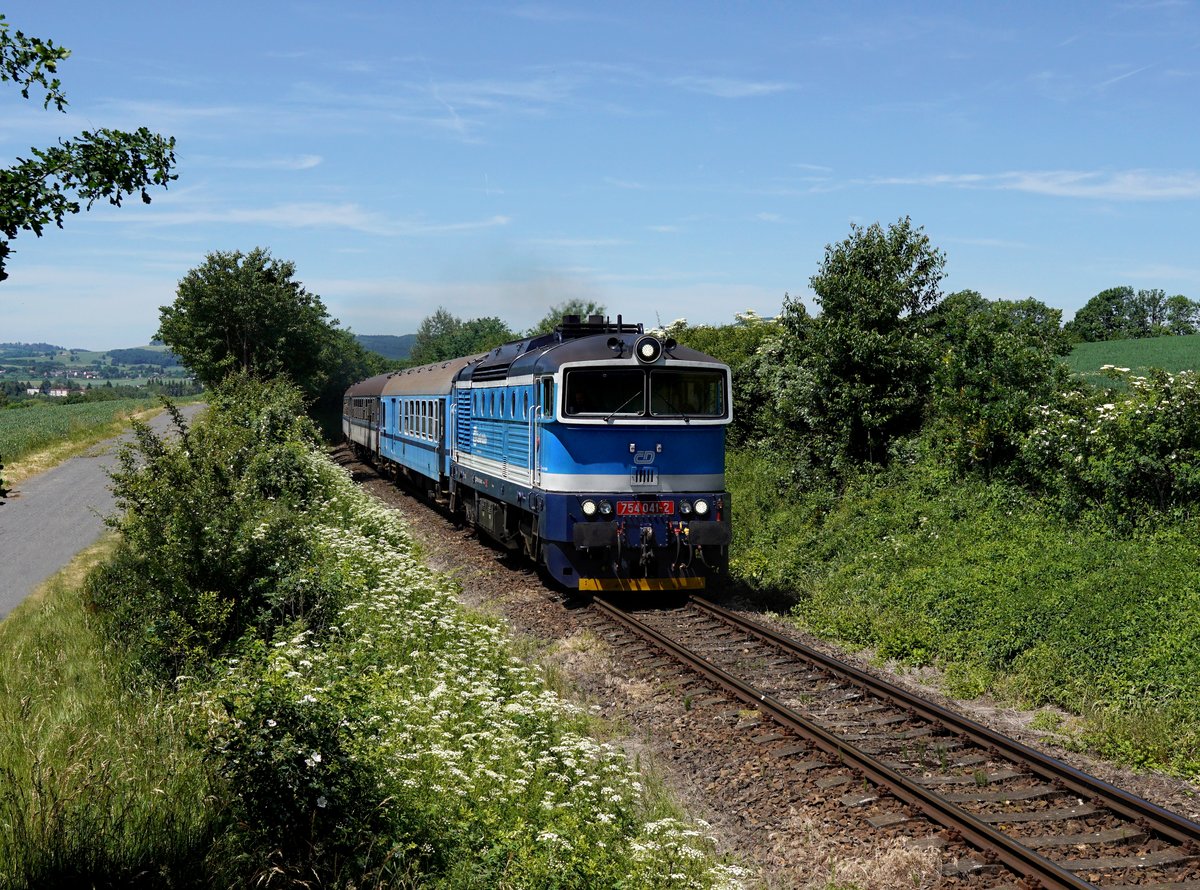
x: 685, y: 507
x: 701, y: 508
x: 648, y: 349
x: 605, y: 508
x: 588, y: 507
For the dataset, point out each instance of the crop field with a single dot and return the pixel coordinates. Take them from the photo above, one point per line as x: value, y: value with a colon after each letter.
x: 1169, y: 353
x: 26, y: 430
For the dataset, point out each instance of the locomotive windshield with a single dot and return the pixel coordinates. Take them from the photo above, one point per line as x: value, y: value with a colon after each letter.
x: 606, y: 391
x: 689, y: 393
x: 619, y: 392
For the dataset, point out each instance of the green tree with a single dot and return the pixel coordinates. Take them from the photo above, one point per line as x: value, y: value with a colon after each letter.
x: 482, y: 334
x: 246, y: 313
x: 444, y: 335
x: 858, y: 376
x: 996, y: 361
x: 1183, y: 315
x: 554, y: 316
x: 1103, y: 317
x: 101, y: 165
x: 1148, y: 314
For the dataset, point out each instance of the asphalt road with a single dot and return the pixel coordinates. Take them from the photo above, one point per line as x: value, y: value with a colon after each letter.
x: 50, y: 517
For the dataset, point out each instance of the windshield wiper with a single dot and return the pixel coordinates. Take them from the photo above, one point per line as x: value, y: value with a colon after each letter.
x: 671, y: 405
x: 623, y: 405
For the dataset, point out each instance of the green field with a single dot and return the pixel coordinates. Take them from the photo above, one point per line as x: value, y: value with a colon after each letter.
x: 26, y: 430
x: 1169, y: 353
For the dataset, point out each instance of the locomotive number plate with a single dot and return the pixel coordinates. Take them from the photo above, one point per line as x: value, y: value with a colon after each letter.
x: 645, y: 508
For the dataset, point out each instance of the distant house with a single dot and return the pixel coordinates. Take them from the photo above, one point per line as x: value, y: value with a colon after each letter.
x: 33, y: 391
x: 60, y: 393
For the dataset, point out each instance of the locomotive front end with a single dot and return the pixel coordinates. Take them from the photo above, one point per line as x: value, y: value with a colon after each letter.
x: 633, y: 468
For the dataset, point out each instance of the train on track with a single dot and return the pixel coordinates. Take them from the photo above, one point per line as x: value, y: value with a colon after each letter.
x: 597, y: 449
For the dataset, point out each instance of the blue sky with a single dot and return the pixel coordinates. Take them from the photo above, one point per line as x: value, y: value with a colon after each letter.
x: 667, y: 159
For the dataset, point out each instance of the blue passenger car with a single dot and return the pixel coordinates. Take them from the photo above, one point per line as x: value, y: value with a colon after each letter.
x: 597, y: 449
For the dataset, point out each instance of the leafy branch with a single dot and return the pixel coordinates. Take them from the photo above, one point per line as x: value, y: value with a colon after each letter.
x: 104, y: 165
x: 28, y: 61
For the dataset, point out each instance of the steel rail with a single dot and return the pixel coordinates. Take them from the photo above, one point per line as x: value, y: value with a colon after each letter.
x: 1008, y: 852
x: 1178, y: 829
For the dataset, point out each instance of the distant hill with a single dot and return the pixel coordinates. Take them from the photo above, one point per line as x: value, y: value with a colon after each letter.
x: 143, y: 355
x: 19, y: 350
x: 388, y: 345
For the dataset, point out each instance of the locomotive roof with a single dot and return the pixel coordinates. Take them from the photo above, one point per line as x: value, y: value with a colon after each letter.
x: 597, y: 349
x: 575, y: 340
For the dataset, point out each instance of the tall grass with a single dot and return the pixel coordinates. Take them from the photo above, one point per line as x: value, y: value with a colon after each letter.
x: 98, y: 784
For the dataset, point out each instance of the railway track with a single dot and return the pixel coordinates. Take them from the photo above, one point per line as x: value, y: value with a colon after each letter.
x: 899, y: 760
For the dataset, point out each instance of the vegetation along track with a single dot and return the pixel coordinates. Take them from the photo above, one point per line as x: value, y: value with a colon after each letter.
x: 1021, y: 818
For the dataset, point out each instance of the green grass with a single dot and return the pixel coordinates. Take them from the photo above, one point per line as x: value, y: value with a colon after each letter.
x: 1169, y: 353
x: 26, y: 430
x: 1004, y: 597
x: 98, y: 785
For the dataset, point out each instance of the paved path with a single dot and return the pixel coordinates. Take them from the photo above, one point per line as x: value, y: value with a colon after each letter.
x: 51, y: 517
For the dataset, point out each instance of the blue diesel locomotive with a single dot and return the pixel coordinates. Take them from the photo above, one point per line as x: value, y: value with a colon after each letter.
x: 598, y: 450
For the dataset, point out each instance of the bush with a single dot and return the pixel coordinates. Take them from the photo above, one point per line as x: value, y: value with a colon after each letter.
x: 406, y: 740
x: 212, y: 534
x: 1127, y: 459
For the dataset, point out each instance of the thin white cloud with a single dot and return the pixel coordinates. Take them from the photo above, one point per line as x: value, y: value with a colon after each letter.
x: 769, y: 218
x: 1120, y: 77
x: 623, y: 183
x: 998, y: 243
x: 297, y: 162
x: 1164, y: 272
x: 308, y: 215
x: 577, y: 242
x: 732, y: 88
x: 1125, y: 185
x: 495, y: 93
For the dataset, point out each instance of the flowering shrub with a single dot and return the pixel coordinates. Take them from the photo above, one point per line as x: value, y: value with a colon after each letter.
x: 407, y: 740
x: 212, y: 541
x: 1138, y: 452
x: 362, y: 727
